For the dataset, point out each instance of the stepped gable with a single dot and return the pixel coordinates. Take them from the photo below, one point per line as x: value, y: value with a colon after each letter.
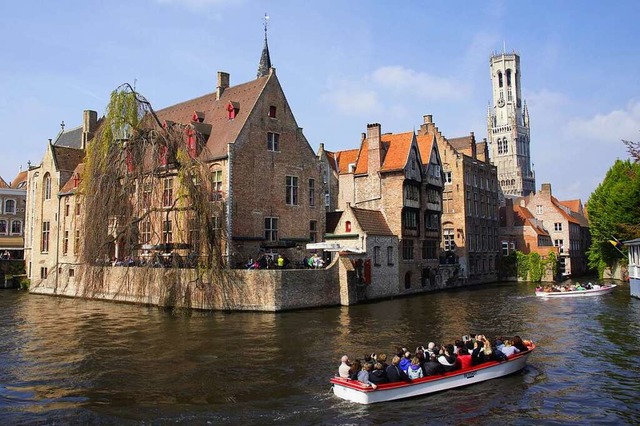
x: 223, y: 129
x: 344, y: 158
x: 20, y: 181
x: 397, y: 152
x: 372, y: 222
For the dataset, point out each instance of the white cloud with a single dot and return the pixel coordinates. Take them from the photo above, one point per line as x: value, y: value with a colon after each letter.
x: 408, y: 82
x: 608, y: 127
x: 352, y: 99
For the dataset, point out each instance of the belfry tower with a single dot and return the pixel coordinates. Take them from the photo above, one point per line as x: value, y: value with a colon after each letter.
x: 508, y: 127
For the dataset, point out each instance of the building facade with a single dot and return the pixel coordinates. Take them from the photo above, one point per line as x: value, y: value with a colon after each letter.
x: 508, y: 127
x: 12, y: 217
x: 470, y: 204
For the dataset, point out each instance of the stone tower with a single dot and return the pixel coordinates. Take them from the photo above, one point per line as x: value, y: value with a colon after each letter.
x: 508, y: 127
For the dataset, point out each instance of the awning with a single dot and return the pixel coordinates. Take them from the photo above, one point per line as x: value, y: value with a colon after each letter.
x: 11, y: 243
x: 333, y: 247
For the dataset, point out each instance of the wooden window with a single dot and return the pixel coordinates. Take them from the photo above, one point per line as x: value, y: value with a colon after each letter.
x: 291, y: 195
x: 347, y: 226
x: 65, y: 242
x: 271, y: 228
x: 313, y: 231
x: 167, y: 192
x: 273, y: 141
x: 272, y: 111
x: 312, y: 192
x: 376, y: 255
x: 167, y: 231
x: 46, y: 229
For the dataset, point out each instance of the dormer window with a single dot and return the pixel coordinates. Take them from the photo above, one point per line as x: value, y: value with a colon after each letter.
x: 232, y: 109
x: 272, y: 111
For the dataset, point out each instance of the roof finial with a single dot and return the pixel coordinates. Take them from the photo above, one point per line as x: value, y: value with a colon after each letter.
x: 265, y: 59
x: 62, y: 125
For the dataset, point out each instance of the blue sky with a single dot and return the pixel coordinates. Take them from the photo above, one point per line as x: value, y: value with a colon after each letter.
x: 342, y: 64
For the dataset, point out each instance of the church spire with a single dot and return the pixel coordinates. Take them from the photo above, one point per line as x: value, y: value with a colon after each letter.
x: 265, y: 59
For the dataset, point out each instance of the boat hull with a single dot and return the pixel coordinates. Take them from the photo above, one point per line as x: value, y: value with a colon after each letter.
x: 577, y: 293
x: 354, y: 391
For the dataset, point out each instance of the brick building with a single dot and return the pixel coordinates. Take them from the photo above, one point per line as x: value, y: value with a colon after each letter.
x: 392, y: 174
x: 470, y: 204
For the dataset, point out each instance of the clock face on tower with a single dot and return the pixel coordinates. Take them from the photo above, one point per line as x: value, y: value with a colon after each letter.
x: 500, y: 102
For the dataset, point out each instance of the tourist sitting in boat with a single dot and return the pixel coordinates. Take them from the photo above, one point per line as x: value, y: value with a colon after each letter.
x: 519, y: 344
x: 508, y: 349
x: 356, y: 366
x: 405, y: 361
x: 448, y: 359
x: 382, y: 359
x: 345, y: 367
x: 394, y: 373
x: 478, y: 355
x: 378, y: 375
x: 415, y: 369
x: 363, y: 375
x: 432, y: 367
x: 464, y: 357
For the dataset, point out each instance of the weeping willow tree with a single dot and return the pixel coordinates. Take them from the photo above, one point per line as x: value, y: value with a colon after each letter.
x: 150, y: 201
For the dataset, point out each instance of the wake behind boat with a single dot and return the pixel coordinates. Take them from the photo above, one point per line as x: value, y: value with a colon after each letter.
x: 355, y: 391
x: 575, y: 293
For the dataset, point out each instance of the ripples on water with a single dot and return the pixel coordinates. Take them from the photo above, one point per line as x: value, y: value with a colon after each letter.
x: 67, y: 361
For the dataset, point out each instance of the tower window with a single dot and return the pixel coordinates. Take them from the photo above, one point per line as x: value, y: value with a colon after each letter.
x: 272, y: 111
x: 508, y: 77
x: 499, y: 79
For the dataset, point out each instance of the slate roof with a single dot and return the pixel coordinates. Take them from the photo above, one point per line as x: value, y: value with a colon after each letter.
x: 372, y: 222
x: 70, y: 139
x: 462, y: 144
x: 223, y: 130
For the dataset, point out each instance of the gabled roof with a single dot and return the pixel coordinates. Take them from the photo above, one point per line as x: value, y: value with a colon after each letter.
x: 362, y: 166
x: 398, y: 148
x: 20, y: 180
x: 3, y: 184
x: 372, y: 222
x: 425, y: 145
x: 566, y: 215
x: 573, y: 205
x: 331, y: 159
x: 71, y: 138
x: 461, y: 144
x: 344, y: 158
x: 66, y: 159
x: 223, y: 130
x: 523, y: 217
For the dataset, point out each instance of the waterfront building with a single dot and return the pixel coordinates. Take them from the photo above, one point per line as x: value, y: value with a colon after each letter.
x: 508, y: 127
x: 470, y: 204
x: 266, y: 181
x: 634, y: 266
x: 541, y: 223
x: 394, y: 175
x: 12, y: 216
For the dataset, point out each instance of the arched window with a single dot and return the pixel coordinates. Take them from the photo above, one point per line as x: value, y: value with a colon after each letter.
x: 505, y: 145
x: 47, y: 187
x: 16, y: 227
x: 508, y: 78
x: 10, y: 207
x: 3, y: 226
x: 347, y: 226
x: 499, y: 79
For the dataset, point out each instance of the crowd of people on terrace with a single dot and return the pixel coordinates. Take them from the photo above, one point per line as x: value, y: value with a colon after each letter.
x: 431, y: 360
x: 572, y: 287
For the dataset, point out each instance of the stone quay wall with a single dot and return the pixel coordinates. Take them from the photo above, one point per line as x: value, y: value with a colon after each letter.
x: 235, y: 290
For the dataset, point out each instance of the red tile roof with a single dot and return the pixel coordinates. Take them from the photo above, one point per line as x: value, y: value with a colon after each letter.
x: 362, y: 166
x: 21, y: 178
x: 425, y: 145
x: 523, y: 217
x: 573, y: 205
x: 566, y: 215
x: 70, y: 186
x: 3, y: 184
x: 398, y: 148
x: 223, y: 130
x: 344, y: 158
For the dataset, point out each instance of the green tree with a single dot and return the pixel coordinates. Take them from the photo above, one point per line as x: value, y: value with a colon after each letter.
x: 614, y: 212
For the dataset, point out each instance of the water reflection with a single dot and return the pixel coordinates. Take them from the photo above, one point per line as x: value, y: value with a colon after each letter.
x: 77, y: 361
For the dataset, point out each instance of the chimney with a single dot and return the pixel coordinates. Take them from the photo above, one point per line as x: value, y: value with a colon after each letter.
x: 428, y: 119
x: 223, y: 83
x: 375, y: 148
x: 89, y: 125
x: 545, y: 190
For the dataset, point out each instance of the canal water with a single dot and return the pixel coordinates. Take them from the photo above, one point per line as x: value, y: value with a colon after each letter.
x: 66, y: 361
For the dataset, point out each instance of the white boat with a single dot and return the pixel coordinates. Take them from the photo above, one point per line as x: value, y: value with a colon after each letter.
x: 577, y: 293
x: 353, y: 390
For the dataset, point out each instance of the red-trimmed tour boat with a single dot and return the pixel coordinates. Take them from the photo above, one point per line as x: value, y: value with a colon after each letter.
x: 353, y: 390
x: 577, y: 293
